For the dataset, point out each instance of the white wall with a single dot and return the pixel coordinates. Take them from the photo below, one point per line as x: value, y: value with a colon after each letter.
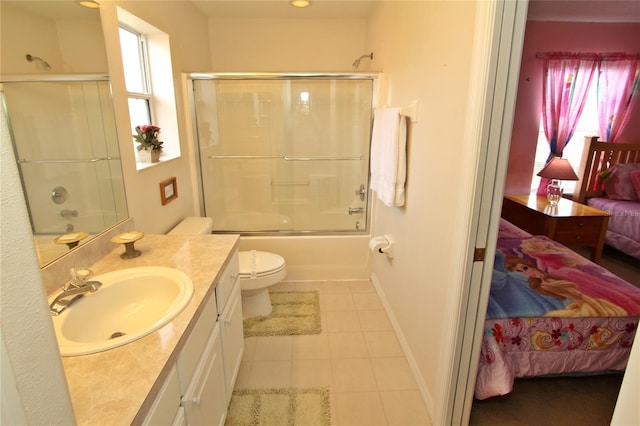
x: 424, y: 49
x: 279, y: 45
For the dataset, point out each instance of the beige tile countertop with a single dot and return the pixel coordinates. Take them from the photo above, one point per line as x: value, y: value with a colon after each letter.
x: 112, y: 387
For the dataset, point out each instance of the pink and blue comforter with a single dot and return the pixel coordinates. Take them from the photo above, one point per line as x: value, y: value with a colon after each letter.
x: 551, y: 311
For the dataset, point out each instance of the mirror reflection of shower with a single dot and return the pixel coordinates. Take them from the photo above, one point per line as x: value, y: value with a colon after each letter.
x: 45, y: 65
x: 356, y: 63
x: 64, y: 136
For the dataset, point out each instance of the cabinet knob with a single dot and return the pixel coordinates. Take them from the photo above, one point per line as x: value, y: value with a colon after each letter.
x: 227, y: 320
x: 234, y: 275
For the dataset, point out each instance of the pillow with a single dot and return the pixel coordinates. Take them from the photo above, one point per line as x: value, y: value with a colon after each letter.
x: 635, y: 181
x: 617, y: 182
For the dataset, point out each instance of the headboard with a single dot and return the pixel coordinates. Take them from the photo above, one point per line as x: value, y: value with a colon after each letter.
x: 597, y: 156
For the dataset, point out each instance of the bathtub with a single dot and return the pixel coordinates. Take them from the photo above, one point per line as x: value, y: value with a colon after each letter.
x: 60, y: 221
x: 318, y: 257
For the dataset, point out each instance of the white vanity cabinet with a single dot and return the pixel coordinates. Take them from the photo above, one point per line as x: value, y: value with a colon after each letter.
x: 210, y: 360
x: 201, y: 371
x: 198, y: 389
x: 230, y: 319
x: 204, y: 401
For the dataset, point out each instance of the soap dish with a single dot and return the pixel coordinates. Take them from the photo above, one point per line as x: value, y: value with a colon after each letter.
x: 71, y: 239
x: 128, y: 238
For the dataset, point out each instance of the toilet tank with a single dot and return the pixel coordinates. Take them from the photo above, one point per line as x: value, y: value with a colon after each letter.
x: 193, y: 226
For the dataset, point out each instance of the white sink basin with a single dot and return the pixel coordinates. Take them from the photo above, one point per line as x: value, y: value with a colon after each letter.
x: 130, y: 304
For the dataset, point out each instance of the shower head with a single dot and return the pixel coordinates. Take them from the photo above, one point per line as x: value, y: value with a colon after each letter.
x: 45, y: 64
x: 356, y: 63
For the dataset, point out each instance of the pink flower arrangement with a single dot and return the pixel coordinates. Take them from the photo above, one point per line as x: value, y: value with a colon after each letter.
x: 147, y: 137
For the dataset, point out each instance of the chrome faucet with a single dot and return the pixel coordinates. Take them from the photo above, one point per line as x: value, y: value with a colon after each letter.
x: 69, y: 296
x: 77, y: 287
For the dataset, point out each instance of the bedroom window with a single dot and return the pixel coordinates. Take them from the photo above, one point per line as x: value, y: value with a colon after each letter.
x: 587, y: 126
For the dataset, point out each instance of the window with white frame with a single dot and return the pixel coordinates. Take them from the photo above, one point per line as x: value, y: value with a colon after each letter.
x: 148, y: 75
x: 136, y: 74
x: 587, y: 126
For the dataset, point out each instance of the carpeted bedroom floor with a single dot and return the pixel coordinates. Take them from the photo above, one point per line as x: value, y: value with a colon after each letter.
x: 563, y: 400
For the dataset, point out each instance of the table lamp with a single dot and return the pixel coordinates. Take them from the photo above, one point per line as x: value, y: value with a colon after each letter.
x: 557, y: 169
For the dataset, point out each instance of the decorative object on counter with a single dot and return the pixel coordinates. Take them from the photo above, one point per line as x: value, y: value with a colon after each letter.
x: 72, y: 239
x: 149, y: 146
x: 128, y: 238
x: 284, y: 406
x: 168, y: 190
x: 294, y: 313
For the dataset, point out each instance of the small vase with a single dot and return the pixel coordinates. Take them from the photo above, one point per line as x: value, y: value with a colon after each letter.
x: 149, y: 156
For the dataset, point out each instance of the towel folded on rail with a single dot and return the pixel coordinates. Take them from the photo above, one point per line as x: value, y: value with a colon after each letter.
x: 389, y: 156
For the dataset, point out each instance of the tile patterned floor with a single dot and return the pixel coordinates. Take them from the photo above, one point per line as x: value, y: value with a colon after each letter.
x: 357, y: 356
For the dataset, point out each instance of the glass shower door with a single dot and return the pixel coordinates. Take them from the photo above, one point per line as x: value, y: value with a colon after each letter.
x: 285, y: 155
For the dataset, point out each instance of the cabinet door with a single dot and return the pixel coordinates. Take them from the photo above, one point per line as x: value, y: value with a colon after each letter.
x: 167, y: 404
x: 205, y: 402
x: 232, y: 338
x: 180, y: 419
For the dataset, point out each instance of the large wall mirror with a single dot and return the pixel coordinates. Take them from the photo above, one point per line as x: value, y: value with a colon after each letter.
x: 56, y: 98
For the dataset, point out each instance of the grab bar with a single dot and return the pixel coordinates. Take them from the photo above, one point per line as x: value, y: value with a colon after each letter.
x: 282, y: 157
x: 285, y: 158
x: 90, y: 160
x: 69, y: 213
x: 306, y: 183
x: 242, y: 157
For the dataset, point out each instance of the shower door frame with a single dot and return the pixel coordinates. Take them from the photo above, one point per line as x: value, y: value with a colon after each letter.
x: 191, y: 77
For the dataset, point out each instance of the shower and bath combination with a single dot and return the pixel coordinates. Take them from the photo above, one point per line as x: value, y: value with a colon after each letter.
x: 284, y: 153
x: 356, y: 63
x: 45, y: 64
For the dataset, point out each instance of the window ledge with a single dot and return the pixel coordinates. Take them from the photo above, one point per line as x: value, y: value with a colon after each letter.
x: 163, y: 159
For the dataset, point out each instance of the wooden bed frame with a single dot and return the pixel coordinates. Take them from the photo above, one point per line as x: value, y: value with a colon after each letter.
x: 597, y: 156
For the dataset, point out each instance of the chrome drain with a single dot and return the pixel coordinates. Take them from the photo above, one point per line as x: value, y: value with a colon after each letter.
x: 116, y: 334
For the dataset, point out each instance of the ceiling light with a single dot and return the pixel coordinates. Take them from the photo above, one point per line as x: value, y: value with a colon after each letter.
x: 300, y: 3
x: 89, y: 3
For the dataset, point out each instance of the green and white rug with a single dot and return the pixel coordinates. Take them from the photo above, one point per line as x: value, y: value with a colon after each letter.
x: 279, y: 407
x: 294, y: 313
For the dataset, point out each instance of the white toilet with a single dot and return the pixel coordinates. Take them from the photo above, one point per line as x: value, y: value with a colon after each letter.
x: 259, y: 270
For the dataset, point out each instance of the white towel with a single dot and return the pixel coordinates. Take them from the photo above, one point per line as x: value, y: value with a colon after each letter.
x: 389, y: 156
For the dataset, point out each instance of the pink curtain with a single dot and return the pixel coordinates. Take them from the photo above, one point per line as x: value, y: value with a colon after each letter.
x: 618, y: 86
x: 566, y: 80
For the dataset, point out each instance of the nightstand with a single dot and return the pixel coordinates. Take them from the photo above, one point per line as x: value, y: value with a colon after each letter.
x: 568, y: 223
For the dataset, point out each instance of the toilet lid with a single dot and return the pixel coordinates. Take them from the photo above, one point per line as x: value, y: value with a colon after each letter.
x: 259, y: 263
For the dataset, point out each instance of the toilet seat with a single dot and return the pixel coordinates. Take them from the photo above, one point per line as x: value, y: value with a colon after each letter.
x: 257, y: 264
x: 259, y: 270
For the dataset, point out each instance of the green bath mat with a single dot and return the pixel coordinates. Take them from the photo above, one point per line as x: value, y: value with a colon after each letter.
x: 279, y: 407
x: 294, y: 313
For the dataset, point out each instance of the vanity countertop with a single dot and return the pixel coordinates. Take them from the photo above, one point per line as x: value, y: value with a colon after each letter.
x: 111, y: 387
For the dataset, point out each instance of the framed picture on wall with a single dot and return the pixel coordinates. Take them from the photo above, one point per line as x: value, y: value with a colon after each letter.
x: 168, y: 190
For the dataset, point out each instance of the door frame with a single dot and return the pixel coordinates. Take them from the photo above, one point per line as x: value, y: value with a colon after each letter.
x: 497, y: 55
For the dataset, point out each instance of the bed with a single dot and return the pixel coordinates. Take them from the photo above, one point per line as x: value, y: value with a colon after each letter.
x: 610, y: 181
x: 575, y: 318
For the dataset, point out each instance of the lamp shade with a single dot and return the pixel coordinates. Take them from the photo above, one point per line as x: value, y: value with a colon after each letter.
x: 558, y: 168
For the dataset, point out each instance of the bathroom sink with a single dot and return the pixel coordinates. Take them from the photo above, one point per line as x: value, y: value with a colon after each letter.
x: 130, y: 304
